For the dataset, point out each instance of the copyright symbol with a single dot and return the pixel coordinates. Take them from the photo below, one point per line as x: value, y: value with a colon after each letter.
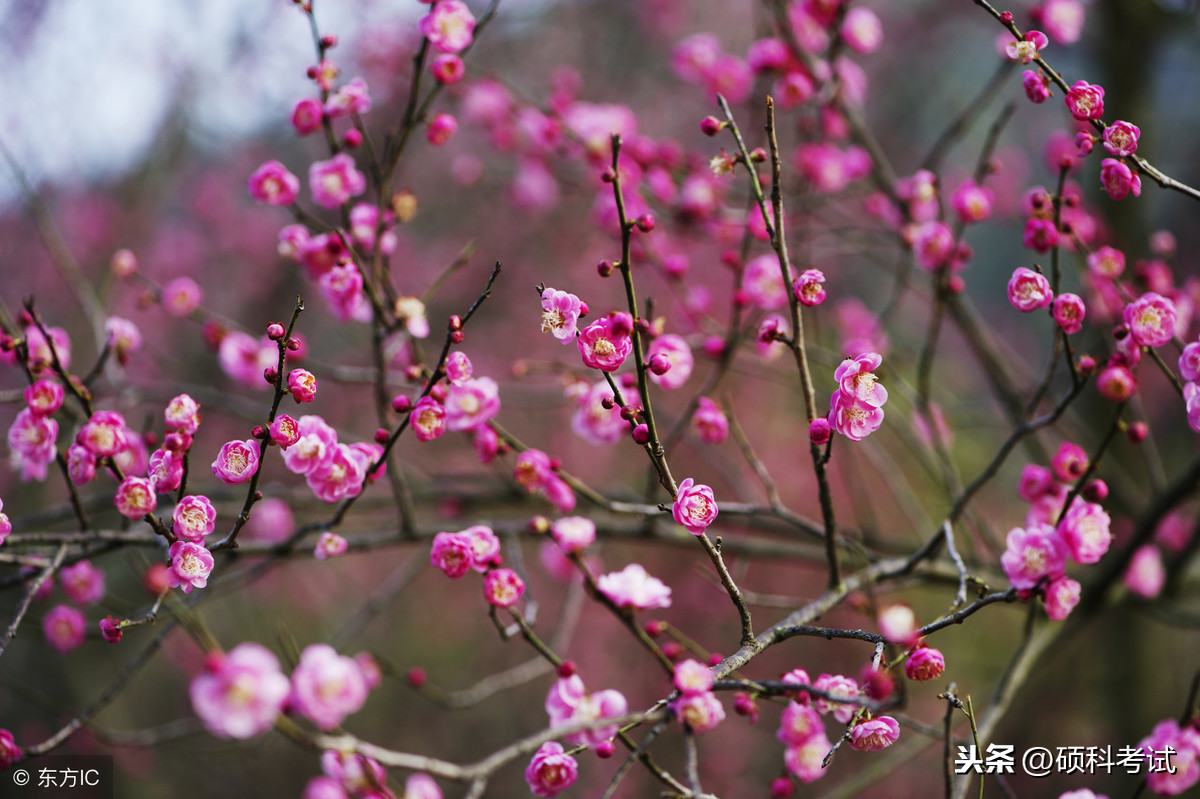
x: 21, y: 777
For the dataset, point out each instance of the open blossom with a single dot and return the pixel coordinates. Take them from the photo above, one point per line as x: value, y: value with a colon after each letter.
x: 1025, y: 49
x: 458, y: 368
x: 452, y: 553
x: 357, y: 775
x: 701, y: 712
x: 1068, y: 311
x: 165, y: 468
x: 809, y: 288
x: 428, y: 419
x: 568, y: 702
x: 1146, y: 574
x: 1085, y: 101
x: 1151, y: 320
x: 272, y: 184
x: 710, y: 422
x: 874, y: 734
x: 1118, y: 180
x: 925, y: 663
x: 551, y: 770
x: 44, y: 397
x: 103, y: 434
x: 573, y: 533
x: 502, y: 587
x: 135, y: 498
x: 31, y: 439
x: 329, y: 545
x: 762, y: 281
x: 805, y: 761
x: 194, y: 517
x: 326, y: 686
x: 1029, y: 290
x: 285, y: 431
x: 485, y: 547
x: 1106, y: 262
x: 83, y: 583
x: 64, y: 627
x: 1032, y: 554
x: 182, y: 413
x: 678, y: 361
x: 898, y: 624
x: 471, y: 404
x: 798, y: 723
x: 9, y: 751
x: 605, y: 343
x: 1185, y: 742
x: 340, y: 475
x: 306, y: 116
x: 853, y: 418
x: 695, y: 506
x: 1061, y: 596
x: 236, y: 462
x: 180, y: 297
x: 634, y: 588
x: 972, y: 202
x: 595, y: 423
x: 240, y: 693
x: 1121, y: 138
x: 449, y: 26
x: 335, y: 181
x: 302, y: 384
x: 315, y: 446
x: 191, y: 564
x: 856, y: 379
x: 352, y: 98
x: 836, y: 685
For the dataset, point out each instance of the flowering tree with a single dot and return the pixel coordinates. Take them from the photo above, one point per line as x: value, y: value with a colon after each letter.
x: 888, y: 451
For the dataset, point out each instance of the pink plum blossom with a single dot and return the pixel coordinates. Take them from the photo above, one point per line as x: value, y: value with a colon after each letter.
x: 302, y: 385
x: 898, y: 624
x: 1061, y: 596
x: 329, y: 545
x: 799, y: 723
x: 1037, y: 87
x: 634, y: 588
x: 273, y: 184
x: 1121, y: 138
x: 64, y: 627
x: 695, y: 507
x: 605, y: 343
x: 701, y: 712
x: 165, y: 469
x: 925, y: 663
x: 194, y: 517
x: 1024, y: 50
x: 285, y: 430
x: 104, y: 434
x: 1146, y: 575
x: 874, y: 734
x: 1062, y: 21
x: 182, y: 413
x: 551, y: 770
x: 1068, y: 311
x: 341, y: 474
x: 972, y: 202
x: 710, y: 422
x: 1151, y: 320
x: 503, y: 587
x: 836, y: 685
x: 573, y: 534
x: 356, y: 775
x: 32, y: 441
x: 532, y: 469
x: 237, y: 461
x: 180, y: 298
x: 449, y: 26
x: 806, y: 761
x: 853, y: 418
x: 135, y: 498
x: 1185, y: 742
x: 240, y: 693
x: 82, y: 582
x: 326, y: 686
x: 762, y: 281
x: 809, y: 288
x: 352, y: 98
x: 452, y: 553
x: 306, y: 117
x: 857, y: 381
x: 335, y: 181
x: 191, y: 564
x: 595, y: 423
x: 421, y: 786
x: 1085, y: 101
x: 44, y: 397
x: 1032, y: 554
x: 428, y: 419
x: 458, y: 368
x: 861, y: 30
x: 471, y: 404
x: 485, y: 547
x: 679, y: 360
x: 1106, y: 262
x: 693, y: 677
x: 568, y: 702
x: 1040, y: 235
x: 1028, y: 290
x: 1118, y: 180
